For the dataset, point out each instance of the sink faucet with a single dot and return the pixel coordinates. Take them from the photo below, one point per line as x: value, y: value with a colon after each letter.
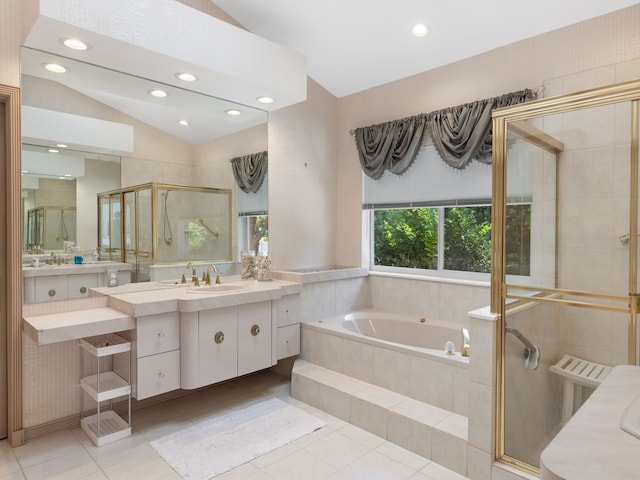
x: 215, y: 269
x: 194, y: 275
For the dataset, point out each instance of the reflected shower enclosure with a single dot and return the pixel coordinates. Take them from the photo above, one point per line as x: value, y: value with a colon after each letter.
x: 153, y: 224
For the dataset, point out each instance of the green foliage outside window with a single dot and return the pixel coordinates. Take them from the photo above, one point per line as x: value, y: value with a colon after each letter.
x: 408, y: 238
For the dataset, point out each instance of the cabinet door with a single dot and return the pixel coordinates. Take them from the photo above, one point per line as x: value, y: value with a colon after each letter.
x: 158, y: 374
x: 49, y: 289
x: 254, y: 337
x: 217, y: 345
x: 157, y: 333
x: 79, y: 285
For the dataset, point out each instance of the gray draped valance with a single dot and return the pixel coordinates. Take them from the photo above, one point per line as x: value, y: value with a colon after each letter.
x: 460, y: 134
x: 249, y: 171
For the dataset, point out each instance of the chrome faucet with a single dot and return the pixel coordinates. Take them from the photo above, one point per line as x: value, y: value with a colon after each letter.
x: 465, y: 342
x: 215, y: 269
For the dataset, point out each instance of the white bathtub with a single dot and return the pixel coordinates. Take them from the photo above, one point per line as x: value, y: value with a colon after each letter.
x: 402, y: 353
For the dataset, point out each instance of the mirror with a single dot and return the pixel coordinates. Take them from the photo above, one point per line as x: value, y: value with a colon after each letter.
x: 185, y: 138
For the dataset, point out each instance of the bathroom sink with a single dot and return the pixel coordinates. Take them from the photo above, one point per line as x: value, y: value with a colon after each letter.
x: 216, y: 289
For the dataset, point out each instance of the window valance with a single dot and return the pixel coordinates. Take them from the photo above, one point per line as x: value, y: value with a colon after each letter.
x: 249, y: 171
x: 460, y: 134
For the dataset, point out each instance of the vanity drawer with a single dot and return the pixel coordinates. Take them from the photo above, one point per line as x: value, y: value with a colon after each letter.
x: 158, y: 374
x: 79, y: 285
x: 288, y: 341
x: 51, y: 288
x: 287, y: 310
x: 157, y: 334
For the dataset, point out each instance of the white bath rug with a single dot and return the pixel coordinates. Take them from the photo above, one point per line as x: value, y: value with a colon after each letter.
x: 218, y: 444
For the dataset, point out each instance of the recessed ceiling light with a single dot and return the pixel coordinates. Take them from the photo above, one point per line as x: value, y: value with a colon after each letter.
x: 265, y: 99
x: 184, y: 123
x: 62, y: 178
x: 419, y: 30
x: 25, y: 171
x: 68, y: 175
x: 55, y: 67
x: 62, y: 145
x: 74, y: 44
x: 233, y: 112
x: 158, y: 93
x: 186, y: 77
x: 53, y: 150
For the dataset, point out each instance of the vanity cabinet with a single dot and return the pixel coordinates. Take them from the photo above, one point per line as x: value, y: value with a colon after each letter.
x: 157, y: 355
x: 286, y: 311
x: 48, y: 284
x: 224, y: 343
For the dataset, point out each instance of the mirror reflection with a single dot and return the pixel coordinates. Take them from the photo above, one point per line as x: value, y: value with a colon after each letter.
x: 184, y: 138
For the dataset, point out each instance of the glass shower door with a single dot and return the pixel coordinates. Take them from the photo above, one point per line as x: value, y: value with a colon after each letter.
x: 563, y: 326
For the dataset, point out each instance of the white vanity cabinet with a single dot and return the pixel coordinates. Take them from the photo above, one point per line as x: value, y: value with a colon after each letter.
x: 157, y: 355
x: 224, y: 343
x: 286, y: 311
x: 52, y: 283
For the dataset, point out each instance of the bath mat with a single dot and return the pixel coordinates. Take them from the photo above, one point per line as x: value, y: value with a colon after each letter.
x: 218, y: 444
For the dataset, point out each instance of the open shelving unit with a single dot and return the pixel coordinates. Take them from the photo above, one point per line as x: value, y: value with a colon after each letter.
x: 105, y: 384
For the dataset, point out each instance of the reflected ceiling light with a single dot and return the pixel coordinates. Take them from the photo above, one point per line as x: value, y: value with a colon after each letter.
x: 265, y: 99
x: 68, y: 175
x: 233, y: 112
x: 184, y: 123
x: 158, y: 93
x: 186, y: 77
x: 419, y: 30
x: 62, y: 145
x: 53, y: 150
x: 25, y: 171
x: 55, y: 67
x: 75, y: 44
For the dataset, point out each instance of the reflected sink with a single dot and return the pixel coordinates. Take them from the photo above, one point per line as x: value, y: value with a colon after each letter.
x: 216, y: 289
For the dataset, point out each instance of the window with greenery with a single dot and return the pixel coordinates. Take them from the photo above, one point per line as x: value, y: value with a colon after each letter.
x: 450, y: 238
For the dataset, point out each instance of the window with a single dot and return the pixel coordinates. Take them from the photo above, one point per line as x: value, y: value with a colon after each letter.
x: 253, y: 221
x: 435, y: 219
x: 449, y: 238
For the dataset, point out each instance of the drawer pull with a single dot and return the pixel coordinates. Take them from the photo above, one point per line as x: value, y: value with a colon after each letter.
x: 160, y: 334
x: 83, y: 290
x: 255, y: 330
x: 160, y: 375
x: 52, y: 292
x: 218, y: 337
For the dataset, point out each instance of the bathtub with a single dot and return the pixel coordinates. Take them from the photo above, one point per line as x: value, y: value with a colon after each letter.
x: 403, y: 353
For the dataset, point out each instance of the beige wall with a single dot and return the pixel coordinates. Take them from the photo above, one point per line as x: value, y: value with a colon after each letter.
x: 558, y: 56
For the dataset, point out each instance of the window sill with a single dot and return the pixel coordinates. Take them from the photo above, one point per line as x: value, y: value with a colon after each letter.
x: 431, y: 278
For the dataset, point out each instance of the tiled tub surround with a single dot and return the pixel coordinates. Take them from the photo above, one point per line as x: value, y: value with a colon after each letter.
x: 364, y: 381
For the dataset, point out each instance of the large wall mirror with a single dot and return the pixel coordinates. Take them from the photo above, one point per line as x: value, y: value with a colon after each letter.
x: 183, y: 138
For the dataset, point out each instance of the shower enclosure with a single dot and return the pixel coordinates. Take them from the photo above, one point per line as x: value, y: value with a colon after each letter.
x: 573, y: 160
x: 154, y: 224
x: 49, y: 227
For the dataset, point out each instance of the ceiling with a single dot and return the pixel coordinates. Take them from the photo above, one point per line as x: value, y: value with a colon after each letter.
x: 354, y: 45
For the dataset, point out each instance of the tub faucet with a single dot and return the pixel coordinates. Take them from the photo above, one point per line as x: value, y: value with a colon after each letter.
x: 465, y: 342
x: 215, y: 269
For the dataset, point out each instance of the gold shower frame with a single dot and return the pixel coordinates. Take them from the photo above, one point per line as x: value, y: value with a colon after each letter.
x: 512, y: 119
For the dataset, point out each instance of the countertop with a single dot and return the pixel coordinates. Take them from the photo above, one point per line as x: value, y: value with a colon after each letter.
x: 72, y: 268
x: 114, y: 309
x: 592, y: 446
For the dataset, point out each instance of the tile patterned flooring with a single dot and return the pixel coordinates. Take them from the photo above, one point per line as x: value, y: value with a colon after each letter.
x: 339, y: 451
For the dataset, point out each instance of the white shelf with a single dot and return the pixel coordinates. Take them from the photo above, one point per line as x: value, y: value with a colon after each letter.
x: 110, y: 428
x: 103, y: 345
x: 111, y: 386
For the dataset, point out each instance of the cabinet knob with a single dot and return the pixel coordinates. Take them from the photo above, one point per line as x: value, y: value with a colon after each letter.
x: 52, y: 292
x: 160, y: 375
x: 160, y: 334
x: 218, y: 337
x: 83, y: 290
x: 255, y: 330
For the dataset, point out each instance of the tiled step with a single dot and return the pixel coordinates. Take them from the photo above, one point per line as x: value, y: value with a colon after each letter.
x: 429, y: 431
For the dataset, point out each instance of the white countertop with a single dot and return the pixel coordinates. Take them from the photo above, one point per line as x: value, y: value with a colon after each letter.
x: 592, y: 446
x: 149, y: 298
x: 72, y: 268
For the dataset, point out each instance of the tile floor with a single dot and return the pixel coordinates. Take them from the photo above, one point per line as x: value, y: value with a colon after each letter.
x: 339, y: 451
